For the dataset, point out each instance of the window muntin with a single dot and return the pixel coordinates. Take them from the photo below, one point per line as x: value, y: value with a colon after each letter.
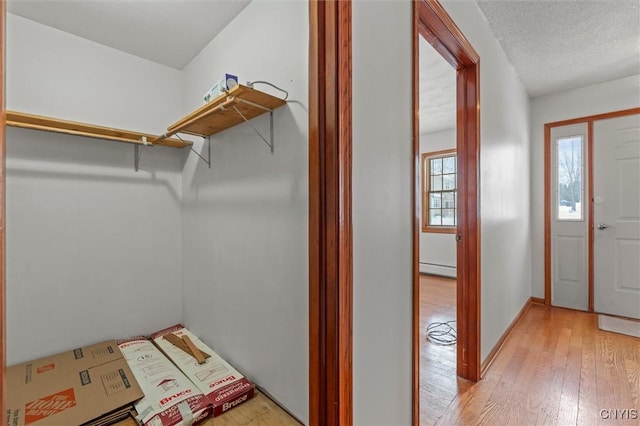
x: 440, y: 191
x: 570, y: 178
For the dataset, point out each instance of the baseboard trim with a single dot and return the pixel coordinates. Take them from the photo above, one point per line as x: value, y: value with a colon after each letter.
x: 496, y: 349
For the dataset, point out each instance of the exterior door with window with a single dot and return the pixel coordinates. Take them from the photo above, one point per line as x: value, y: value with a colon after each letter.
x: 616, y: 210
x: 569, y: 220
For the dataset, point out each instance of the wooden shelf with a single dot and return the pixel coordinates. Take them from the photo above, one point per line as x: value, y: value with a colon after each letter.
x: 49, y: 124
x: 220, y: 114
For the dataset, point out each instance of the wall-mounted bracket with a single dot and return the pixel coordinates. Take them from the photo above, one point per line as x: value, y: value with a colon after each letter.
x: 270, y: 143
x: 138, y: 153
x: 206, y: 160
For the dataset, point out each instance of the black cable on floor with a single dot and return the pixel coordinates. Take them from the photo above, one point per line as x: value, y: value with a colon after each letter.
x: 442, y: 333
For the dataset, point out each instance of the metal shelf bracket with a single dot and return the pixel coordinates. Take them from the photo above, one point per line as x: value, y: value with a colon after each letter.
x: 206, y: 160
x: 137, y: 153
x: 270, y: 143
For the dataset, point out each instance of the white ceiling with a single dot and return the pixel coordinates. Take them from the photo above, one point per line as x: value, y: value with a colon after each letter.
x: 169, y: 32
x: 556, y: 45
x: 437, y: 90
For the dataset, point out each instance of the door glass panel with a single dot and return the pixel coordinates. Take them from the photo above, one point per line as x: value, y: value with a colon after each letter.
x: 570, y: 191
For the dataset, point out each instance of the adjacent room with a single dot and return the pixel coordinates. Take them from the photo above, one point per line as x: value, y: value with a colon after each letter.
x: 437, y: 251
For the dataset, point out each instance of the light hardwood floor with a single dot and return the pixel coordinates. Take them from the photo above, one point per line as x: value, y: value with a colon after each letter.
x: 439, y: 384
x: 556, y: 368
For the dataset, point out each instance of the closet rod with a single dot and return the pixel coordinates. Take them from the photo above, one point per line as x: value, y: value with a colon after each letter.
x: 50, y: 124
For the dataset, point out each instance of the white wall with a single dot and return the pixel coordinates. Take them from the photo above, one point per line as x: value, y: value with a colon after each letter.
x: 382, y: 218
x: 504, y: 179
x: 437, y: 251
x: 584, y: 101
x: 381, y: 197
x: 245, y: 220
x: 93, y: 248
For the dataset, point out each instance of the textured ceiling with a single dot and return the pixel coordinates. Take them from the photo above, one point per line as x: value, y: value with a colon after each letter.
x: 556, y: 45
x: 437, y: 91
x: 169, y: 32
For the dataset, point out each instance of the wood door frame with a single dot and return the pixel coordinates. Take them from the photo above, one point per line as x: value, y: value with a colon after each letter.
x: 330, y: 229
x: 432, y: 22
x: 548, y: 206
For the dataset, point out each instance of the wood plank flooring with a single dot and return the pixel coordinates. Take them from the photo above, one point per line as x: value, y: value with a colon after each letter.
x: 439, y: 384
x: 556, y: 368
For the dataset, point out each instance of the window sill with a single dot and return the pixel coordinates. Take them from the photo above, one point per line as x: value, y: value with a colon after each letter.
x: 439, y: 230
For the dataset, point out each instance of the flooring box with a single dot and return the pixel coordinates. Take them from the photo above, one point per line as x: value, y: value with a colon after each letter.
x: 170, y: 397
x: 224, y: 385
x: 71, y: 388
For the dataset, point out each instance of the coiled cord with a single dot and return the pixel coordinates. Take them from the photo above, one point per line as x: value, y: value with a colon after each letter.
x: 442, y: 333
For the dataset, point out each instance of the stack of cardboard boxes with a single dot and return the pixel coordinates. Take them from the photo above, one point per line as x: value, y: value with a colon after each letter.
x: 181, y: 383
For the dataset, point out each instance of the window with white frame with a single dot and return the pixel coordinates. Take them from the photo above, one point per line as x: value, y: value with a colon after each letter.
x: 440, y: 191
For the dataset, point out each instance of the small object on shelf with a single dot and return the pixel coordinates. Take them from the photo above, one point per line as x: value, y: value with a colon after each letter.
x: 221, y: 86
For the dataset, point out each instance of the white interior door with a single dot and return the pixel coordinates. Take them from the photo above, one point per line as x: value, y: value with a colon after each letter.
x: 569, y: 221
x: 616, y: 211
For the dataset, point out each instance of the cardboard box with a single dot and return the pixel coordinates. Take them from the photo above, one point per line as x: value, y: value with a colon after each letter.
x: 71, y: 388
x: 170, y: 398
x: 224, y: 385
x: 221, y: 86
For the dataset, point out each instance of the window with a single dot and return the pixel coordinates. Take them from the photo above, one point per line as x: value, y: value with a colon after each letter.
x: 439, y: 191
x: 569, y: 204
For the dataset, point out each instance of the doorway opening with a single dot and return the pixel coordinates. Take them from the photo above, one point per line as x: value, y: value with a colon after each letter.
x: 433, y: 25
x: 437, y: 197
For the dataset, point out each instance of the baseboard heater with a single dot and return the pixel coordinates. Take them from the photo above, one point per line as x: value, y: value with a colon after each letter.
x: 438, y: 269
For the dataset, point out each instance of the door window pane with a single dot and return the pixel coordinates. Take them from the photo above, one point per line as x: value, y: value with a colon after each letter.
x: 570, y: 190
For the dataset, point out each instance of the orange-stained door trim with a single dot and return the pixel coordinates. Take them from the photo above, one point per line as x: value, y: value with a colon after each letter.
x: 433, y: 23
x: 547, y: 194
x: 330, y: 231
